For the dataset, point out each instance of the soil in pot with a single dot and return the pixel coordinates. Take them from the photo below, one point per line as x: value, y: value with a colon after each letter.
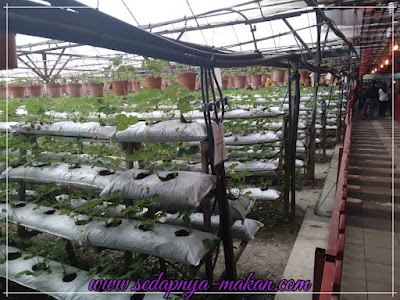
x: 188, y: 80
x: 69, y: 277
x: 147, y: 227
x: 17, y: 91
x: 96, y: 89
x: 82, y: 222
x: 19, y: 205
x: 105, y: 172
x: 170, y: 176
x: 35, y: 91
x: 54, y: 90
x: 13, y: 255
x: 153, y: 83
x: 113, y: 222
x: 182, y: 232
x: 40, y: 266
x: 119, y: 88
x: 74, y: 90
x: 240, y: 82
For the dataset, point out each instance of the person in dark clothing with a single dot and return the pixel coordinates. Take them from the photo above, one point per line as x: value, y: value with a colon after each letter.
x: 371, y: 96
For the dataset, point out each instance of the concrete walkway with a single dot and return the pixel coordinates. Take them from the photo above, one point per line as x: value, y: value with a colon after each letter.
x: 368, y: 262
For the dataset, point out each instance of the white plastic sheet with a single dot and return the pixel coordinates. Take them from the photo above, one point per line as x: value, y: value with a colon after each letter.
x: 240, y: 230
x: 84, y: 177
x: 161, y: 241
x: 257, y: 193
x: 187, y: 190
x: 46, y: 282
x: 168, y: 131
x: 238, y: 208
x: 251, y: 139
x: 7, y: 125
x: 69, y: 129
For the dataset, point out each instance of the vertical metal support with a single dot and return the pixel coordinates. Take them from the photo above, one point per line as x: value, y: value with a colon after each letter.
x: 311, y: 153
x: 288, y: 125
x: 339, y: 115
x: 225, y: 223
x: 295, y: 121
x: 204, y: 157
x: 206, y: 209
x: 44, y: 58
x: 130, y: 148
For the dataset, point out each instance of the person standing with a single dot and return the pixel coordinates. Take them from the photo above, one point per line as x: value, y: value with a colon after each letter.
x: 371, y: 96
x: 383, y: 99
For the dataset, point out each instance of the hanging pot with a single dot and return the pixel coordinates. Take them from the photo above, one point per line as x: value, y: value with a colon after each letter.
x: 17, y: 91
x: 119, y: 88
x: 74, y: 89
x: 54, y: 90
x: 255, y: 80
x: 240, y: 82
x: 96, y: 89
x: 12, y: 51
x: 153, y: 83
x: 188, y: 80
x: 224, y: 83
x: 35, y: 91
x: 278, y: 76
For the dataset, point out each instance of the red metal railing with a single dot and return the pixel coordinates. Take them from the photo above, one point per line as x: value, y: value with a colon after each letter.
x: 328, y: 267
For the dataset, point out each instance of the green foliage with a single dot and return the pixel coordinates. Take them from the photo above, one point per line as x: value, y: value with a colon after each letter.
x: 125, y: 122
x: 155, y: 67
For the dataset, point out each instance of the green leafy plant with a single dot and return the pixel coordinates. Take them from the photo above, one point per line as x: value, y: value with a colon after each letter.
x: 155, y: 67
x: 238, y: 72
x: 55, y: 78
x: 125, y: 122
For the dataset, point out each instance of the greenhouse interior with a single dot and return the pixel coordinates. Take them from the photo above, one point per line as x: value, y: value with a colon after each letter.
x: 199, y: 149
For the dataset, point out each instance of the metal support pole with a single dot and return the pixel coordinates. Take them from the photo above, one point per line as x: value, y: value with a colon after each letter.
x: 312, y: 135
x: 295, y: 120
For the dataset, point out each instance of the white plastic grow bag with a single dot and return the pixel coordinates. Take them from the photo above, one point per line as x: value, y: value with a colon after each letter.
x: 7, y: 125
x: 257, y: 193
x: 241, y: 230
x: 187, y: 190
x: 236, y: 154
x: 238, y: 208
x: 161, y: 241
x: 84, y: 177
x: 168, y: 131
x: 69, y: 129
x: 256, y: 168
x: 251, y: 139
x: 46, y: 282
